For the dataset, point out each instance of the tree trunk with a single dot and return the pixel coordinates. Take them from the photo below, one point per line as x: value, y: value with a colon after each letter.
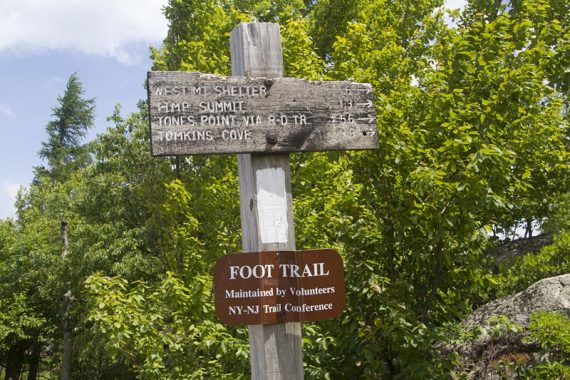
x: 15, y: 361
x: 67, y: 338
x: 34, y: 362
x: 528, y: 230
x: 64, y: 241
x: 65, y: 318
x: 435, y: 281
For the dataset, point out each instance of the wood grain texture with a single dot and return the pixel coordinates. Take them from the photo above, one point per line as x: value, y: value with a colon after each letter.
x: 193, y: 113
x: 275, y: 350
x: 256, y: 50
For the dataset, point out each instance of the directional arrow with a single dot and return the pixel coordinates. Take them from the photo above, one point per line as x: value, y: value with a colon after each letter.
x: 367, y: 90
x: 369, y: 119
x: 368, y: 104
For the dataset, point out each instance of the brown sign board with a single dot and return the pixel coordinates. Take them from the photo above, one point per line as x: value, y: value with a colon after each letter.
x: 193, y: 113
x: 279, y: 286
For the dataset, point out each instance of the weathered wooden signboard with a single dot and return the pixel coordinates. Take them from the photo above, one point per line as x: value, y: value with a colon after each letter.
x: 193, y: 113
x: 279, y: 286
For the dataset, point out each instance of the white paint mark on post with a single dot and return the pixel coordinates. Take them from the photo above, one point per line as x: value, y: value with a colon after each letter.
x: 272, y: 205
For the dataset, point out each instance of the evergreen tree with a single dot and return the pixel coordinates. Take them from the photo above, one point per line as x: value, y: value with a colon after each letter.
x: 63, y: 150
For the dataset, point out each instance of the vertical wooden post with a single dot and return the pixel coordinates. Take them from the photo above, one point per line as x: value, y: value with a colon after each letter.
x: 266, y: 205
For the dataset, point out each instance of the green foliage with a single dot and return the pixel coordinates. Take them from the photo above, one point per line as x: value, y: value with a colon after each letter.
x: 558, y: 219
x: 547, y: 371
x: 299, y: 56
x: 72, y: 118
x: 182, y: 252
x: 165, y: 330
x: 18, y: 320
x: 501, y: 325
x: 473, y: 126
x: 472, y: 137
x: 551, y: 332
x: 213, y: 185
x: 501, y: 347
x: 119, y: 198
x: 198, y: 36
x: 551, y: 261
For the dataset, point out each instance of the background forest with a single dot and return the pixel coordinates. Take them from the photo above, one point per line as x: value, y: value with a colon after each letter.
x: 106, y: 271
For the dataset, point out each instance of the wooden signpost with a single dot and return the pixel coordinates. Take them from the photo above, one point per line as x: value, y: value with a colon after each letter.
x: 262, y: 116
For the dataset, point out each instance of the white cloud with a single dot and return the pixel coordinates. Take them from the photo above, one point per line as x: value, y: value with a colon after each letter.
x: 97, y: 27
x: 8, y: 192
x: 6, y: 110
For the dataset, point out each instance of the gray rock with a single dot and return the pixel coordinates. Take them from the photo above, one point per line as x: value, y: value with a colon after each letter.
x: 549, y: 294
x: 493, y: 345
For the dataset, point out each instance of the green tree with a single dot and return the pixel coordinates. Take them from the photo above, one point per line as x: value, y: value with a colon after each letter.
x: 30, y: 287
x: 18, y: 319
x: 198, y: 36
x: 473, y: 130
x: 65, y: 155
x: 140, y: 230
x: 72, y: 118
x: 38, y: 273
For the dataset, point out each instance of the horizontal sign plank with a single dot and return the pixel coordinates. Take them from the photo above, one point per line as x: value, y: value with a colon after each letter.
x: 193, y: 113
x: 273, y: 287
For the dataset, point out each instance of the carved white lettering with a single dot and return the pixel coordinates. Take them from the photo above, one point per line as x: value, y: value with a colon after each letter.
x: 306, y: 292
x: 283, y: 119
x: 179, y: 90
x: 300, y: 119
x: 221, y: 106
x: 251, y: 120
x: 236, y: 134
x: 186, y: 136
x: 217, y: 120
x: 169, y: 121
x: 241, y: 91
x: 173, y: 107
x: 272, y: 308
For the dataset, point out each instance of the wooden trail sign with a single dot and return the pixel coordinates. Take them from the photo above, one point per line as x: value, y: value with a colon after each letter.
x: 193, y: 113
x: 279, y: 286
x: 262, y: 116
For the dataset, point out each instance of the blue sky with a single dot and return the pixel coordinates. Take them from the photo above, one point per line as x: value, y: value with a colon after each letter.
x: 43, y: 42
